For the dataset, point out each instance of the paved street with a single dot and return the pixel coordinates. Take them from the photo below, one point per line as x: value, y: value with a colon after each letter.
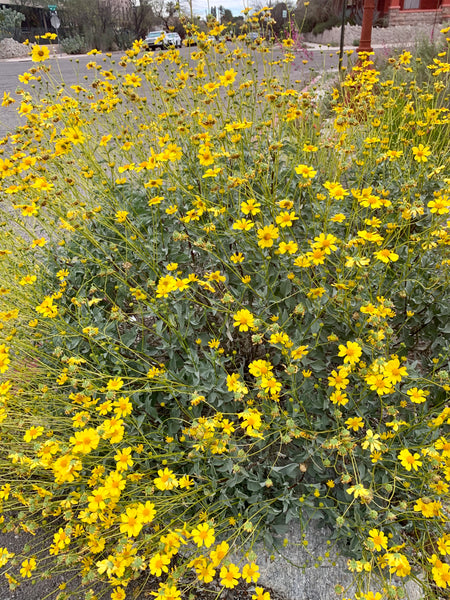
x: 72, y: 71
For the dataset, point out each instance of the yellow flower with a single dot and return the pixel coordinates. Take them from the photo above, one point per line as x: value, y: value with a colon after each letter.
x: 339, y: 397
x: 351, y: 352
x: 386, y: 255
x: 203, y: 535
x: 27, y: 567
x: 205, y: 571
x: 441, y: 575
x: 338, y: 379
x: 250, y: 572
x: 85, y: 441
x: 123, y: 407
x: 271, y: 385
x: 354, y: 423
x: 28, y: 280
x: 440, y: 205
x: 359, y: 491
x: 409, y: 460
x: 377, y: 540
x: 260, y: 368
x: 251, y: 207
x: 284, y: 219
x: 228, y: 77
x: 146, y: 512
x: 4, y: 358
x: 47, y: 308
x: 167, y: 480
x: 158, y: 564
x: 205, y: 156
x: 33, y: 433
x: 335, y: 190
x: 123, y: 459
x: 338, y: 218
x: 237, y: 257
x: 305, y: 171
x: 379, y: 384
x: 394, y: 372
x: 121, y: 216
x: 167, y: 592
x: 5, y: 555
x: 243, y: 224
x: 260, y: 594
x: 421, y: 153
x: 131, y: 522
x: 327, y: 243
x: 371, y: 441
x: 243, y: 319
x: 114, y: 384
x: 398, y: 564
x: 299, y: 352
x: 39, y: 53
x: 219, y: 553
x: 118, y: 593
x: 290, y: 247
x: 267, y: 235
x: 229, y: 576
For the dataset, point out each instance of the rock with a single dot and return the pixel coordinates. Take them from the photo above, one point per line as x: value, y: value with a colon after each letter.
x: 300, y: 571
x: 398, y: 35
x: 9, y: 48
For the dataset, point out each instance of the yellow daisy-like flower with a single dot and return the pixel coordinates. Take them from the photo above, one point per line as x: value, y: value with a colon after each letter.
x: 39, y: 53
x: 203, y: 535
x: 267, y: 235
x: 27, y: 567
x: 408, y: 460
x: 243, y: 319
x: 377, y: 540
x: 229, y: 576
x: 250, y: 572
x: 166, y: 481
x: 131, y: 522
x: 421, y: 153
x: 33, y: 433
x: 351, y: 352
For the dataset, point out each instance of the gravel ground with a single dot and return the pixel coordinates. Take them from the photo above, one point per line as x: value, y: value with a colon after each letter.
x: 48, y: 589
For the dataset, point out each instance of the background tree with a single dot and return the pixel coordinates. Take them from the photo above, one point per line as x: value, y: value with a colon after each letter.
x: 226, y: 16
x: 280, y: 15
x: 317, y: 12
x: 140, y: 18
x: 10, y: 22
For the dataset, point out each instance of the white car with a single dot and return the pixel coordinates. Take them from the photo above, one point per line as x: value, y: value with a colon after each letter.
x: 162, y: 39
x: 172, y: 39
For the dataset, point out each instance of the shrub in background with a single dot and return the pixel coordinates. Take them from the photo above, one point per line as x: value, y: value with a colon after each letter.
x: 10, y: 21
x: 308, y: 15
x: 228, y: 309
x: 74, y: 44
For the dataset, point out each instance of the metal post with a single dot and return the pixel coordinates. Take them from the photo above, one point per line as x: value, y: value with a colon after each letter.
x: 365, y: 43
x: 341, y: 46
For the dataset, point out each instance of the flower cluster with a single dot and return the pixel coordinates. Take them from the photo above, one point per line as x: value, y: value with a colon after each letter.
x: 223, y: 304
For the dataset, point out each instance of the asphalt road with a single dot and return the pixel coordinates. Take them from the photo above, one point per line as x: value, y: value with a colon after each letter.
x: 72, y: 70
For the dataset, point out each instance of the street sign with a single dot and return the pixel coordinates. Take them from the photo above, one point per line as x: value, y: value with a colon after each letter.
x: 55, y: 22
x: 52, y: 7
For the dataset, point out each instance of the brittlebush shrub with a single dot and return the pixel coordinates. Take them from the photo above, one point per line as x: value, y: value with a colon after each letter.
x: 222, y: 311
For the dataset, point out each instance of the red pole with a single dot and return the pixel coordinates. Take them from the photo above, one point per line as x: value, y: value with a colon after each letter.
x: 365, y: 43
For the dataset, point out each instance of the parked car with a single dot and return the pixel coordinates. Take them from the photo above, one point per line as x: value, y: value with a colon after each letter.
x: 162, y: 39
x: 172, y: 39
x: 155, y: 39
x: 252, y: 37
